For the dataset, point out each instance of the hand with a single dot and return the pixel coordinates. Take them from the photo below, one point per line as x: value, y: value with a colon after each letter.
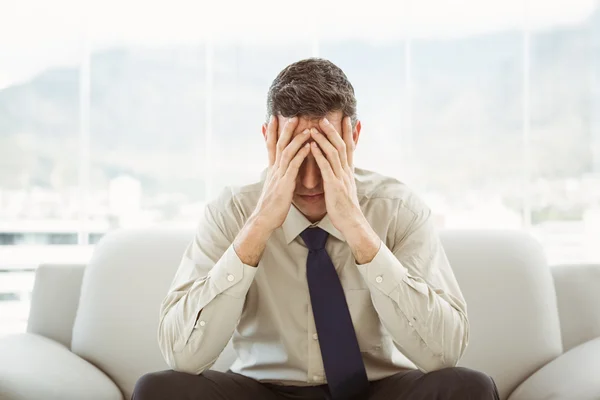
x: 341, y: 198
x: 337, y: 171
x: 285, y: 158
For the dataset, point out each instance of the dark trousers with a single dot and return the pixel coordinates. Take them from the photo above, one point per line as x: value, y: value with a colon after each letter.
x: 446, y: 384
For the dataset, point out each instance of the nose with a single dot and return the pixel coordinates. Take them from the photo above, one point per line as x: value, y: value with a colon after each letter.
x: 310, y: 174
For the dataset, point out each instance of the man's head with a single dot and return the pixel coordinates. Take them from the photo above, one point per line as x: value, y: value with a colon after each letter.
x: 312, y: 89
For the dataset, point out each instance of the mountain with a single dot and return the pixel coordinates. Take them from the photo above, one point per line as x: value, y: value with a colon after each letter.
x: 147, y: 111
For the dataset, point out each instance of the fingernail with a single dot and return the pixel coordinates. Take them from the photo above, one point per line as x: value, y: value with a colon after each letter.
x: 326, y: 120
x: 306, y: 131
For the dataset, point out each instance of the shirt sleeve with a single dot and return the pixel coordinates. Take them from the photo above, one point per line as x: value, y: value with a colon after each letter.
x: 416, y: 295
x: 204, y: 303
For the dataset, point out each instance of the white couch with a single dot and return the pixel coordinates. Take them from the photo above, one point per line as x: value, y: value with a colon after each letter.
x: 93, y: 329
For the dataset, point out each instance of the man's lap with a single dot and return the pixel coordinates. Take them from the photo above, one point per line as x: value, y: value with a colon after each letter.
x: 449, y: 383
x: 209, y: 385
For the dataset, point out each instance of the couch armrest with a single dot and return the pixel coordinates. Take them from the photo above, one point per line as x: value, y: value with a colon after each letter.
x: 54, y: 301
x: 33, y: 367
x: 578, y: 299
x: 573, y: 375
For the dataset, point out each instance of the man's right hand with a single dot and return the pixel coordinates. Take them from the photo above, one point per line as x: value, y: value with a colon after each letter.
x: 285, y: 158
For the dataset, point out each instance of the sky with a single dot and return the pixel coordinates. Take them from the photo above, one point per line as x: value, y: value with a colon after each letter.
x: 37, y: 34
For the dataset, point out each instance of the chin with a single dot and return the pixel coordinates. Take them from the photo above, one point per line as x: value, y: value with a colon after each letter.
x: 313, y: 212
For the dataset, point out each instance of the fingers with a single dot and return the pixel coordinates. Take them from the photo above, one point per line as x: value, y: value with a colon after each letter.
x: 336, y: 139
x: 290, y: 151
x: 324, y: 165
x: 332, y: 153
x: 272, y: 139
x: 284, y: 138
x: 348, y: 139
x: 296, y: 163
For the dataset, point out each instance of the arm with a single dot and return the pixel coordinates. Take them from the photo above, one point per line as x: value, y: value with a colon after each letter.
x: 205, y: 301
x: 415, y: 292
x: 412, y: 285
x: 207, y: 296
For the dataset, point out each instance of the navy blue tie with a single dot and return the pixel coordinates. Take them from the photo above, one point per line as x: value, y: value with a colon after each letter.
x: 344, y: 367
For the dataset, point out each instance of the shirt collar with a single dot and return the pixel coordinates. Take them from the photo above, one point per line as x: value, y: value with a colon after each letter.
x: 295, y: 222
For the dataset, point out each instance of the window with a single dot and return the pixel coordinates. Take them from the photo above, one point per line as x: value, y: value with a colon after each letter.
x: 563, y: 139
x: 147, y: 130
x: 112, y: 118
x: 39, y: 146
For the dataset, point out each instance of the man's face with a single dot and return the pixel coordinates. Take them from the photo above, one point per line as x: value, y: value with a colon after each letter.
x: 309, y: 194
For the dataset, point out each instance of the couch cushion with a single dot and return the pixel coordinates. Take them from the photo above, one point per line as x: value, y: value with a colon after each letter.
x: 573, y: 375
x: 511, y: 303
x: 58, y: 374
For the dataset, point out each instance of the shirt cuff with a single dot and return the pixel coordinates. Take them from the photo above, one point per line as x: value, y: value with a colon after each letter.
x: 231, y: 276
x: 385, y: 272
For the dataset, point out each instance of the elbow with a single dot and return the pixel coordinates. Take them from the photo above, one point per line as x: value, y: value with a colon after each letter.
x: 189, y: 365
x: 450, y: 360
x: 452, y: 354
x: 179, y: 354
x: 184, y: 359
x: 458, y: 345
x: 463, y: 343
x: 441, y: 361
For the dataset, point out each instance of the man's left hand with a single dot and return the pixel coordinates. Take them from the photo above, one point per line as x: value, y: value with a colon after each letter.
x: 334, y: 155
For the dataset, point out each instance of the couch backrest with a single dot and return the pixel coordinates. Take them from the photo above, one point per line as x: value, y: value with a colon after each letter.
x: 57, y: 287
x: 578, y: 302
x: 503, y: 275
x: 511, y: 303
x: 123, y: 285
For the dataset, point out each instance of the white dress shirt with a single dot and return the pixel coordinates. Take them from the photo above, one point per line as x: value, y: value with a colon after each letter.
x: 406, y: 306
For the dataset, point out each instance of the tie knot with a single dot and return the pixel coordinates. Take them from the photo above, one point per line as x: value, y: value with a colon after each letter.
x: 314, y: 238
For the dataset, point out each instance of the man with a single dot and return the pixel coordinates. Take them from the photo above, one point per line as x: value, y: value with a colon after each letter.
x: 330, y: 279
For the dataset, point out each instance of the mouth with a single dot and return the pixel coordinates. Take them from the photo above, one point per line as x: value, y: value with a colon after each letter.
x: 312, y: 197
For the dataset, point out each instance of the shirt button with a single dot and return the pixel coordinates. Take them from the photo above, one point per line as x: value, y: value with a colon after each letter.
x: 410, y: 324
x: 202, y: 323
x: 230, y: 278
x: 379, y: 279
x: 315, y: 336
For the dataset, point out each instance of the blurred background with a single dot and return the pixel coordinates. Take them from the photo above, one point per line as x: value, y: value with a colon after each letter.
x: 118, y: 114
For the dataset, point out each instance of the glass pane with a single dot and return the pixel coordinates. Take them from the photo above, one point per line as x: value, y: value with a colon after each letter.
x: 565, y: 138
x: 147, y: 120
x: 467, y: 128
x: 39, y: 131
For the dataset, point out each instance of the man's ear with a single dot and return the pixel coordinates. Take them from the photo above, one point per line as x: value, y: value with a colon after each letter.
x: 264, y: 131
x: 356, y: 132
